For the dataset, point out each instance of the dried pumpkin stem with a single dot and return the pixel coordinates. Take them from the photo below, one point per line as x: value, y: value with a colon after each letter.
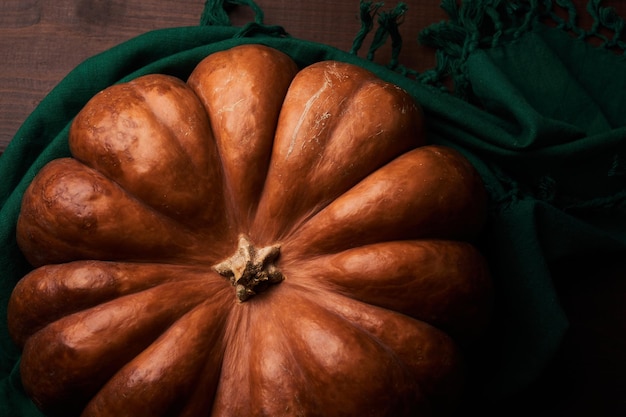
x: 251, y: 270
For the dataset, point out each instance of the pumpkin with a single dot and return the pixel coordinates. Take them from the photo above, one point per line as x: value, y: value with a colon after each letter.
x: 260, y: 240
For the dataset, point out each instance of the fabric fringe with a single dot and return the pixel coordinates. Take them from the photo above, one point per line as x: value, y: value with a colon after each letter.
x: 471, y: 24
x: 388, y: 27
x: 215, y: 12
x: 488, y: 23
x: 607, y: 18
x: 367, y: 12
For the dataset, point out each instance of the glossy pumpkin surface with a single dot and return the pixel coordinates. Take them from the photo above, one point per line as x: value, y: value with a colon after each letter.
x: 260, y: 240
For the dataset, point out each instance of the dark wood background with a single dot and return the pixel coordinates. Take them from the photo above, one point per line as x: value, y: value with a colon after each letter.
x: 41, y: 41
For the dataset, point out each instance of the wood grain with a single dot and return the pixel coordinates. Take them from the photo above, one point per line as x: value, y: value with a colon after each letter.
x: 42, y: 41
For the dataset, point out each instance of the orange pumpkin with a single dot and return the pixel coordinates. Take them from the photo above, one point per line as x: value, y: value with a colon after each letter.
x: 257, y: 241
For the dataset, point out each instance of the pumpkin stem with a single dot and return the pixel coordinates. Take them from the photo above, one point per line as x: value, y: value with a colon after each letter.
x: 251, y: 270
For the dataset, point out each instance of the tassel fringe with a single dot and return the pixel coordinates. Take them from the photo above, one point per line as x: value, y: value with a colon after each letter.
x: 471, y: 24
x: 488, y: 23
x: 215, y: 12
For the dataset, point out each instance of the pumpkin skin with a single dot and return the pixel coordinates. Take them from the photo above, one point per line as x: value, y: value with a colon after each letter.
x: 312, y: 192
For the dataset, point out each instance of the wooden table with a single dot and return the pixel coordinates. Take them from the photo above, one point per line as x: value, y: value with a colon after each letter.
x: 41, y: 41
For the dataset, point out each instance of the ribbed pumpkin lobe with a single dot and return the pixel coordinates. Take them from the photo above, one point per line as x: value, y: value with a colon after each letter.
x: 249, y: 269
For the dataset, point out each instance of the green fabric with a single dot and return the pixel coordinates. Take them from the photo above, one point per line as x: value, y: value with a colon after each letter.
x: 538, y: 111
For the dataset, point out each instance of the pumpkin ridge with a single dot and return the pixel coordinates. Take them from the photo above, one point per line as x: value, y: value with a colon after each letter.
x: 338, y: 122
x: 179, y: 358
x: 413, y: 196
x: 86, y: 283
x: 321, y: 151
x: 429, y: 354
x: 330, y: 356
x: 230, y: 79
x: 160, y: 137
x: 73, y: 340
x: 449, y: 278
x: 85, y: 228
x: 278, y: 375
